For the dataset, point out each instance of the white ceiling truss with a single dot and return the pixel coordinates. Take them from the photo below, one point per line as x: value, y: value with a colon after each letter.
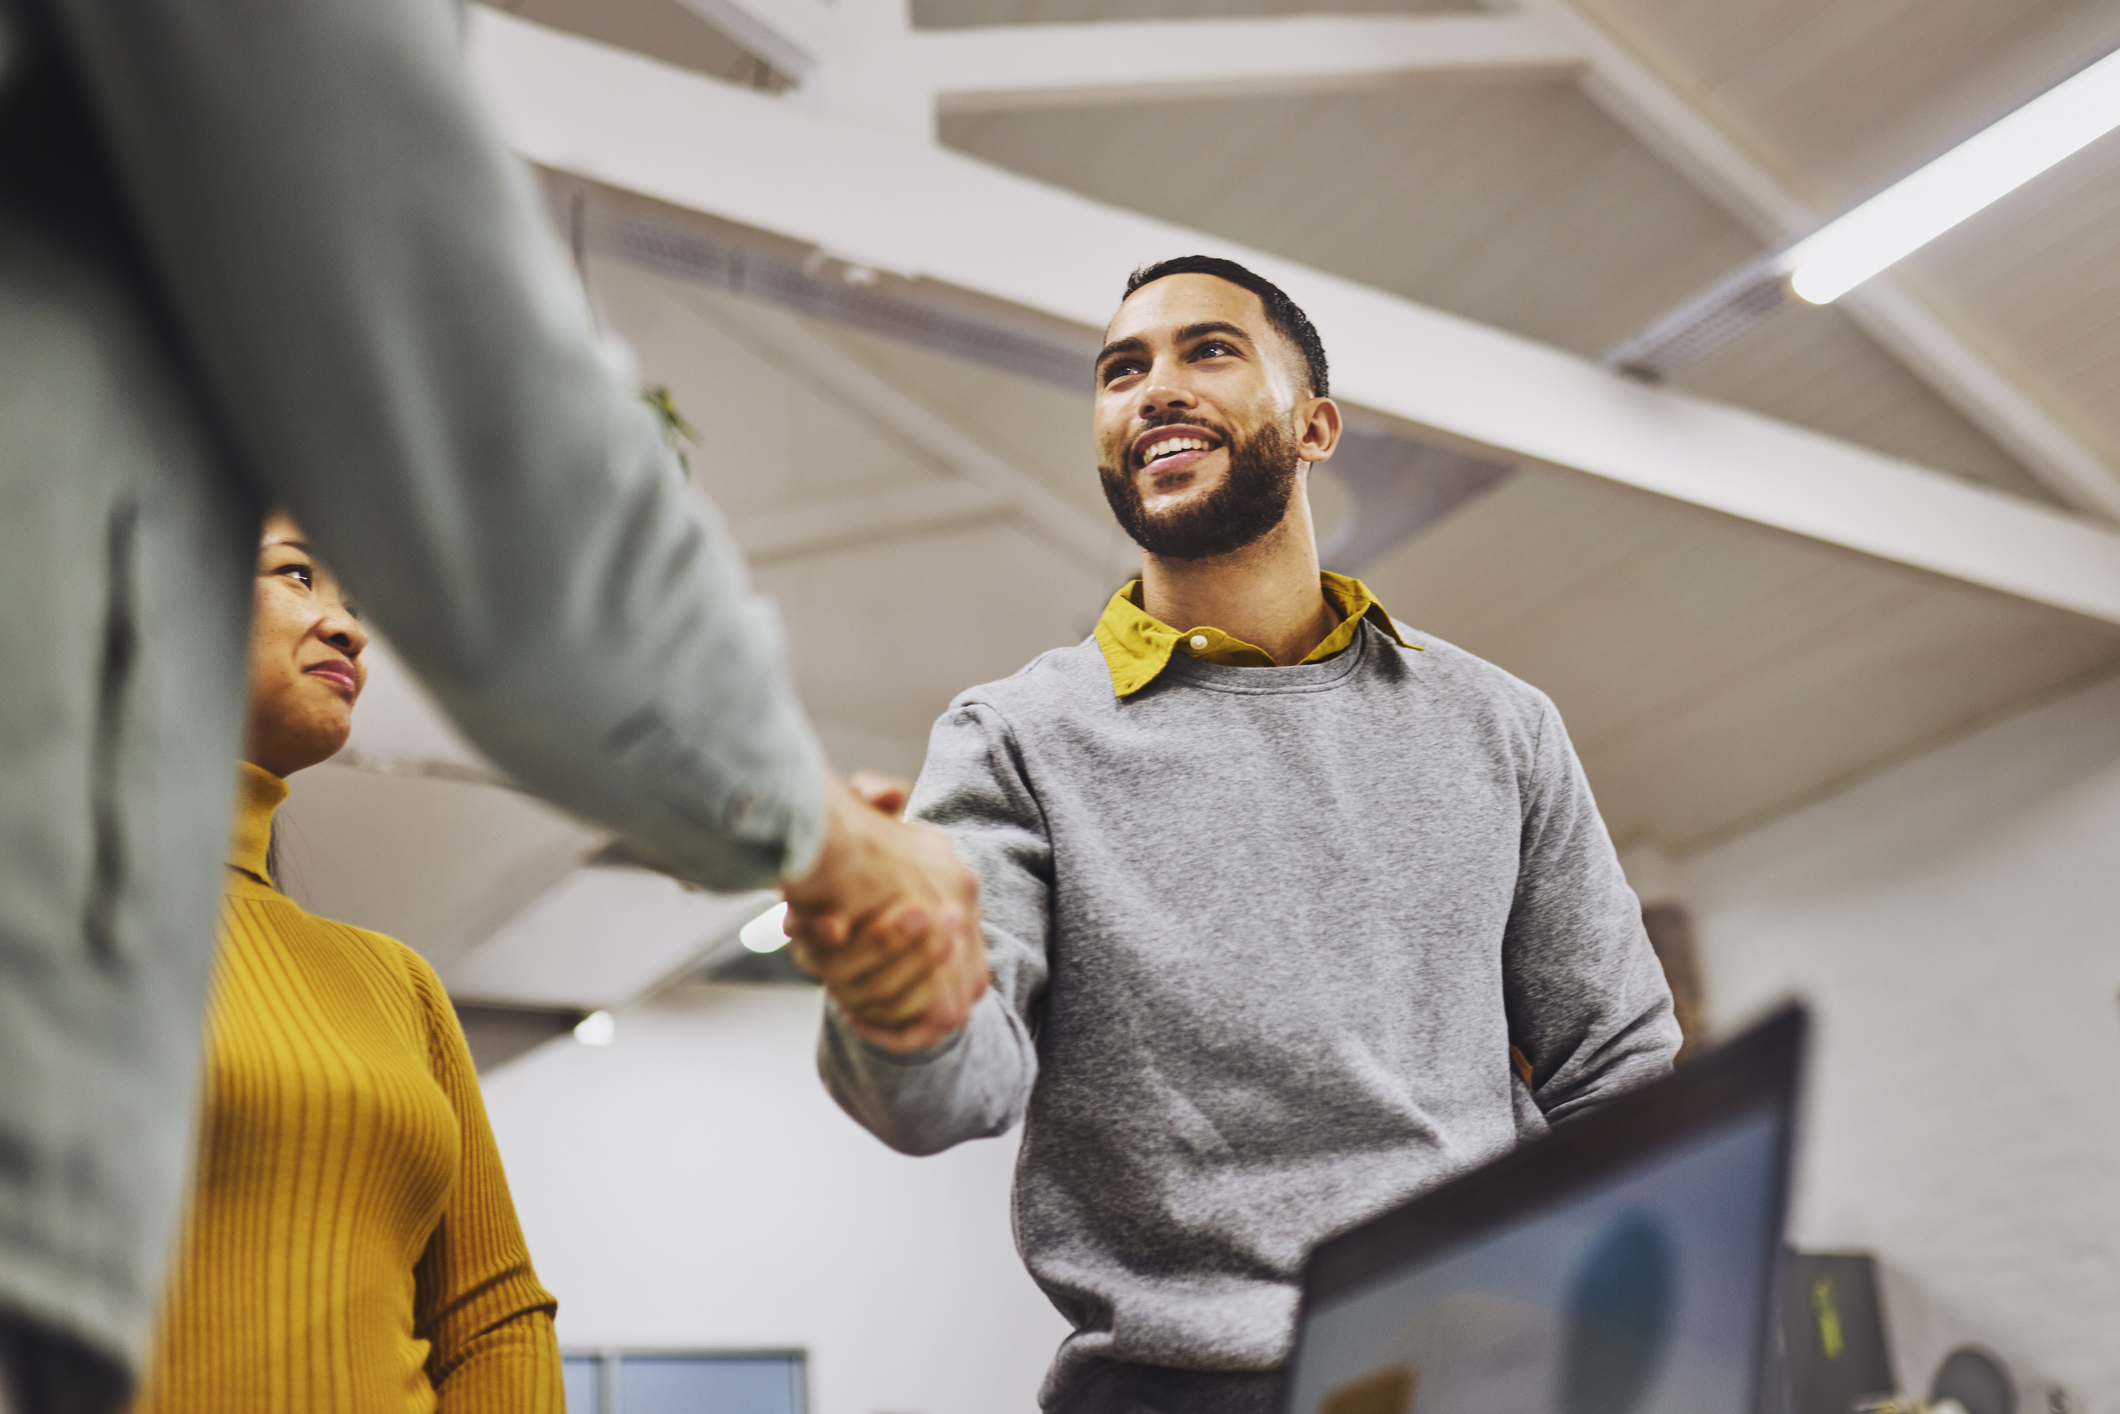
x: 863, y: 60
x: 1122, y: 61
x: 1715, y: 673
x: 1023, y: 66
x: 1653, y: 111
x: 869, y: 193
x: 794, y: 36
x: 769, y: 537
x: 990, y: 486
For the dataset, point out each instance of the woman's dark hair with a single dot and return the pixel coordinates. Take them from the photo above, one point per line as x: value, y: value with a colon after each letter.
x: 1281, y: 311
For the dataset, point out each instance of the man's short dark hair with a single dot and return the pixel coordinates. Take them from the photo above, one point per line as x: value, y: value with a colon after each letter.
x: 1281, y: 311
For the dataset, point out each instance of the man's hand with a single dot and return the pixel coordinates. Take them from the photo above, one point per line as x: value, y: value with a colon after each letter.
x: 888, y: 920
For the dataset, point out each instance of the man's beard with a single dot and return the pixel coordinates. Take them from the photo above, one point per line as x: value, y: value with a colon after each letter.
x: 1252, y: 499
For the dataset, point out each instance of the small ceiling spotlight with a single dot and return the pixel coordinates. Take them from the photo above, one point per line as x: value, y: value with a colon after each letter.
x: 1887, y: 228
x: 598, y: 1028
x: 767, y: 932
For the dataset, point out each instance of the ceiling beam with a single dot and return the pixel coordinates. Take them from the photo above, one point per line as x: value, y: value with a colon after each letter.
x: 791, y: 35
x: 853, y: 386
x: 1985, y: 396
x: 1678, y: 130
x: 1126, y: 61
x: 768, y: 537
x: 916, y: 209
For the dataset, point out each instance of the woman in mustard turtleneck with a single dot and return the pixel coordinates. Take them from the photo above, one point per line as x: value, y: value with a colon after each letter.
x: 350, y: 1248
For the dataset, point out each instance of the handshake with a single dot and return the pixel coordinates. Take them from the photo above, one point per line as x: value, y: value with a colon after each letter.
x: 888, y: 920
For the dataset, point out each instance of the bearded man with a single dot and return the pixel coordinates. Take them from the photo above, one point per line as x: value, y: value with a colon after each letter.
x: 1292, y: 913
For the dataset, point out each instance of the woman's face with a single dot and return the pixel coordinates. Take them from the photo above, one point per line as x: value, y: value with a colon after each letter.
x: 306, y: 668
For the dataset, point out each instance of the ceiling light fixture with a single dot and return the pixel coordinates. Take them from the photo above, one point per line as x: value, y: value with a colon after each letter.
x: 1979, y: 171
x: 1887, y: 228
x: 598, y: 1028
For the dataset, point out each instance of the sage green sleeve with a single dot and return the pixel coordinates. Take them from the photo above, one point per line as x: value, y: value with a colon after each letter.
x: 398, y: 352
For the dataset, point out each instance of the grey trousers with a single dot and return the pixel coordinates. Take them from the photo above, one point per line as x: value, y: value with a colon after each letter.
x: 43, y: 1372
x: 1155, y: 1389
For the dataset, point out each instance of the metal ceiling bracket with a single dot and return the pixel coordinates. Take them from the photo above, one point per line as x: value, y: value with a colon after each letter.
x: 1704, y: 323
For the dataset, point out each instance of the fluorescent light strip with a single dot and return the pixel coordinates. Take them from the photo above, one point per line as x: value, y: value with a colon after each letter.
x: 1984, y: 168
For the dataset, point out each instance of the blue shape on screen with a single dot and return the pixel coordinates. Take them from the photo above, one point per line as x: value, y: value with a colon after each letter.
x: 1619, y: 1311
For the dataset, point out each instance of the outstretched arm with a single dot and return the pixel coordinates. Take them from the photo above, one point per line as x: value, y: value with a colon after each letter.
x: 976, y: 1082
x: 396, y: 346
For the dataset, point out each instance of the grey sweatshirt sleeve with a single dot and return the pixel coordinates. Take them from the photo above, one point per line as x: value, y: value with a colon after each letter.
x: 1586, y: 997
x: 396, y: 348
x: 976, y: 1084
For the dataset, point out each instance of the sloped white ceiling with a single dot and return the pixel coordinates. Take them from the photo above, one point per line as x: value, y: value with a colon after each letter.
x: 1713, y: 673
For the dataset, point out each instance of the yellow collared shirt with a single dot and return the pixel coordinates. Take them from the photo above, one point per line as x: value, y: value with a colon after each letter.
x: 1137, y: 645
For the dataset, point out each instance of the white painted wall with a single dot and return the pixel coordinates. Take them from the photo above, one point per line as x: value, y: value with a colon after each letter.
x: 1955, y: 923
x: 692, y: 1185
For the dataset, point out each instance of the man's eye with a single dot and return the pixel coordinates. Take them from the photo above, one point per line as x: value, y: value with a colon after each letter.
x: 1119, y: 369
x: 300, y: 573
x: 1214, y: 349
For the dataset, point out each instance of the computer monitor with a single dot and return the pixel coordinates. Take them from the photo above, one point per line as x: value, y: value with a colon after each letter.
x: 1622, y: 1264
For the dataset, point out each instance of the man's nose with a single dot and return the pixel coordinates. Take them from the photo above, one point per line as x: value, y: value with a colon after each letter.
x: 1165, y: 392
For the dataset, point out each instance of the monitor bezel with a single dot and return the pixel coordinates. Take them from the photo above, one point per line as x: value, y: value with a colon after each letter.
x: 1760, y: 1070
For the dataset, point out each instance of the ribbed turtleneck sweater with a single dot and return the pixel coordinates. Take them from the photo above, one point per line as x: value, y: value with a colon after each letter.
x: 351, y: 1247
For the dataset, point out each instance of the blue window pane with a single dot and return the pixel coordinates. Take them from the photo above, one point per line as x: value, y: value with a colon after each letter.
x: 722, y: 1384
x: 583, y: 1377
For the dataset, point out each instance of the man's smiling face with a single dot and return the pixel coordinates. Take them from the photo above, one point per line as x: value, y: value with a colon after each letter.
x: 1197, y: 396
x: 1189, y: 362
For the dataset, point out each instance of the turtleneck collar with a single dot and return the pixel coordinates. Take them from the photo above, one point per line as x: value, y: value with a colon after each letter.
x: 258, y: 793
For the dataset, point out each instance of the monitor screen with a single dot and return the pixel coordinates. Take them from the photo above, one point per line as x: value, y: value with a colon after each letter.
x: 1643, y: 1288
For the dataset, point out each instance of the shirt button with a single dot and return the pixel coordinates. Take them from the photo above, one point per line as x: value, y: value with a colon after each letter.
x: 1199, y: 641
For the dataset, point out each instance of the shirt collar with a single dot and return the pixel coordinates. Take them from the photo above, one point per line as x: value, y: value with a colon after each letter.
x: 258, y: 793
x: 1137, y: 645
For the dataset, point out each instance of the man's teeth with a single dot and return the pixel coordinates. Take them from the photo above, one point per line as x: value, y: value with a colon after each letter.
x: 1175, y: 444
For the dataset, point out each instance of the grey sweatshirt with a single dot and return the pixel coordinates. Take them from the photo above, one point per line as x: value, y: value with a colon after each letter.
x: 1261, y: 941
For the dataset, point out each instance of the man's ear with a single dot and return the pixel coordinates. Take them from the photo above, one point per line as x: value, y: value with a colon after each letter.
x: 1321, y: 430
